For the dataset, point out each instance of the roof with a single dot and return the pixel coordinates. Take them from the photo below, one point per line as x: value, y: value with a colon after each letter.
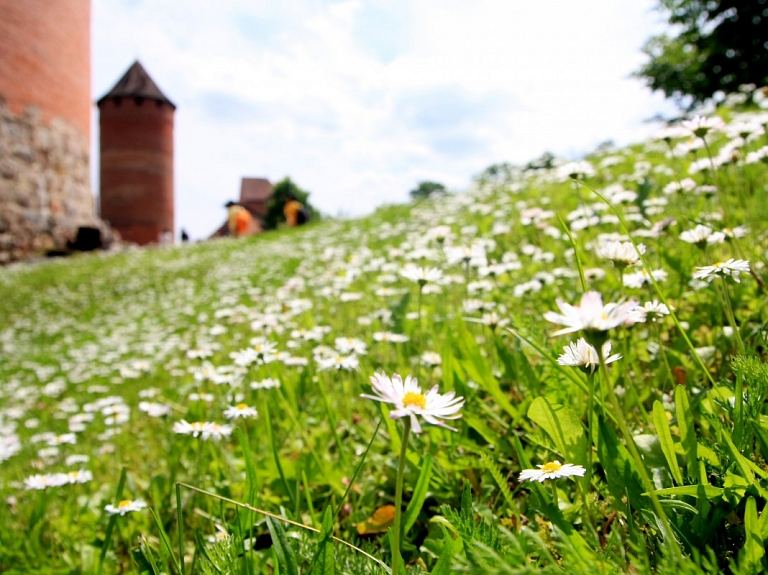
x: 136, y: 83
x: 255, y: 190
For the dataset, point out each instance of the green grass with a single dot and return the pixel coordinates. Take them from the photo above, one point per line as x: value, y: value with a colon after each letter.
x: 84, y: 341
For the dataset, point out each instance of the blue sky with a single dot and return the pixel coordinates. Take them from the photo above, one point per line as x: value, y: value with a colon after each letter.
x: 359, y: 100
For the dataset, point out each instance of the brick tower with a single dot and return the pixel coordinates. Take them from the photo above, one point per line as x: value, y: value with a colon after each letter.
x: 45, y: 111
x: 136, y: 155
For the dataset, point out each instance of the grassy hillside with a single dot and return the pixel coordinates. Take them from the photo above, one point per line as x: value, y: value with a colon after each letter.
x: 198, y: 409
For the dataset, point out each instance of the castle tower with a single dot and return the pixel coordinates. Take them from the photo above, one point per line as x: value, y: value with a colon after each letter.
x: 136, y: 158
x: 45, y: 110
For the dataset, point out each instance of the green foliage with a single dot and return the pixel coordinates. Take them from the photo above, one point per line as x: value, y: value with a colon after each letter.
x: 93, y: 344
x: 719, y: 45
x: 280, y: 193
x: 426, y: 189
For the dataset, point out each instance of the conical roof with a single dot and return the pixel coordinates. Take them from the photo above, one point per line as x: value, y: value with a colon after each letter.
x: 136, y: 83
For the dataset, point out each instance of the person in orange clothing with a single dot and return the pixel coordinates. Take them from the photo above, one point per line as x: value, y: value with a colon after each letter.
x: 240, y: 221
x: 294, y: 211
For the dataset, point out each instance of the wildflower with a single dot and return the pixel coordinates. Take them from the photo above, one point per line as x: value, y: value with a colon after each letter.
x: 652, y: 309
x: 583, y: 354
x: 421, y: 275
x: 390, y: 337
x: 183, y: 427
x: 431, y: 358
x: 622, y: 254
x: 81, y: 476
x: 45, y: 480
x: 699, y: 126
x: 338, y: 362
x: 410, y: 401
x: 591, y: 315
x: 552, y: 470
x: 639, y: 279
x: 699, y: 236
x: 240, y: 410
x: 216, y: 431
x: 154, y: 409
x: 267, y: 383
x: 125, y: 506
x: 730, y: 267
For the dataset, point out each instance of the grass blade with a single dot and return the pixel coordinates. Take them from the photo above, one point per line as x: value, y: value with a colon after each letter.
x: 665, y: 438
x: 282, y: 547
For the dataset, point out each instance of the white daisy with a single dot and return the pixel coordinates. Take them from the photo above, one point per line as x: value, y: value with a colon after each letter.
x: 622, y: 254
x: 552, y: 470
x: 421, y: 275
x: 125, y: 506
x: 591, y: 315
x: 653, y: 309
x: 241, y: 410
x: 730, y: 267
x: 583, y: 354
x: 410, y: 401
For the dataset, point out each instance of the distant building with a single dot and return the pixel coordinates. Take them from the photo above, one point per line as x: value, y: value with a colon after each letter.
x: 45, y: 111
x: 136, y: 193
x: 255, y: 194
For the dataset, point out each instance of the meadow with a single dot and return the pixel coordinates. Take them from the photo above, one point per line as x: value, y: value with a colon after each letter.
x: 560, y: 370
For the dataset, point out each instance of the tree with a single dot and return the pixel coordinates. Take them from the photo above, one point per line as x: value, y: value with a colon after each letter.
x: 426, y: 189
x: 720, y: 45
x: 280, y: 193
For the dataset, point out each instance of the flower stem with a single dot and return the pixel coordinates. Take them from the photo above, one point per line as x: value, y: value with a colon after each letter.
x: 648, y: 485
x: 729, y: 313
x: 396, y: 534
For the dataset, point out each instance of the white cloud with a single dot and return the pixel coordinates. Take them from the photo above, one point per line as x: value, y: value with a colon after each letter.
x: 358, y: 100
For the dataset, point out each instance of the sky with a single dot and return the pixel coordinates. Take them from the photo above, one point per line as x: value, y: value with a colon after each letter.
x: 359, y: 100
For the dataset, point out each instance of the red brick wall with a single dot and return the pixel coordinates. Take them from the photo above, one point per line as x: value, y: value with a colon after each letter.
x: 45, y: 58
x: 136, y: 168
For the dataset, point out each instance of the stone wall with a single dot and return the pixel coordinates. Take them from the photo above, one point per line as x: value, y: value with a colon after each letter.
x: 45, y: 189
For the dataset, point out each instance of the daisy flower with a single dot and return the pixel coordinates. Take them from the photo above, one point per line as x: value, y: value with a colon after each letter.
x: 591, y: 315
x: 421, y: 275
x: 552, y: 470
x: 699, y: 126
x: 652, y: 309
x: 622, y: 254
x: 338, y: 362
x: 216, y: 431
x: 240, y: 410
x: 409, y: 401
x: 125, y: 506
x: 730, y: 267
x: 699, y: 236
x: 583, y: 354
x: 639, y: 279
x: 194, y: 429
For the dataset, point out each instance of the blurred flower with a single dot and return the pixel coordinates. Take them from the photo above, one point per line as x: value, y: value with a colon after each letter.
x: 421, y: 275
x: 410, y: 401
x: 591, y: 315
x: 552, y: 470
x: 241, y: 410
x: 125, y: 506
x: 622, y: 254
x: 652, y: 309
x: 699, y: 126
x: 730, y: 267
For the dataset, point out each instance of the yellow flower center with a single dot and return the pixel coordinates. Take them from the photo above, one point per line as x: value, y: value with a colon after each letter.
x: 124, y: 503
x: 551, y: 467
x: 415, y: 399
x: 241, y: 406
